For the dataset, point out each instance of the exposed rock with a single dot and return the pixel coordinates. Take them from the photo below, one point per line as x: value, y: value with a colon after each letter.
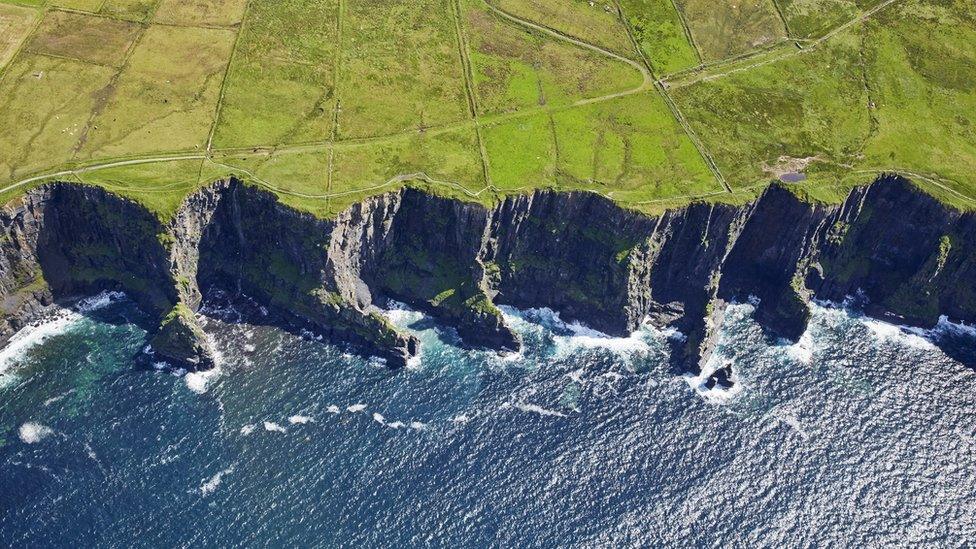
x: 180, y: 339
x: 910, y: 257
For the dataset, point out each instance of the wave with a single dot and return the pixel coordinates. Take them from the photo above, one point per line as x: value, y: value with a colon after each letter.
x: 273, y: 427
x: 717, y: 394
x: 533, y: 409
x: 569, y: 337
x: 906, y: 335
x: 802, y: 350
x: 97, y: 302
x: 198, y: 382
x: 32, y: 432
x: 912, y: 336
x: 400, y: 313
x: 31, y: 336
x: 792, y: 422
x: 300, y: 420
x: 958, y: 329
x: 57, y: 323
x: 213, y: 482
x: 356, y: 408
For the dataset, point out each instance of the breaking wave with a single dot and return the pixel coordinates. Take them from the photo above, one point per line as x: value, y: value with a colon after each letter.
x: 32, y: 433
x: 57, y: 323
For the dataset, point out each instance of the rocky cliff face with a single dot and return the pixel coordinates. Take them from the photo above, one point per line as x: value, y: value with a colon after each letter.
x: 907, y: 256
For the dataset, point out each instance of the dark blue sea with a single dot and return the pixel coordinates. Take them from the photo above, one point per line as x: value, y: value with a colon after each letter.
x: 861, y: 435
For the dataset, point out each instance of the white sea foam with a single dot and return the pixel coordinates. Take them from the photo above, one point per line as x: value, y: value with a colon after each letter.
x: 333, y: 409
x: 414, y: 362
x: 57, y: 323
x: 508, y: 356
x: 576, y: 375
x: 672, y: 334
x: 911, y: 336
x: 7, y: 379
x: 273, y: 427
x: 460, y: 419
x: 300, y: 420
x: 417, y: 425
x: 52, y: 400
x: 32, y: 432
x: 99, y: 301
x: 199, y: 382
x: 396, y: 425
x: 400, y: 314
x: 905, y: 335
x: 581, y: 336
x: 378, y: 418
x: 792, y: 422
x: 717, y: 394
x: 248, y: 429
x: 213, y: 482
x: 356, y: 408
x: 531, y: 408
x: 802, y: 350
x: 91, y: 453
x: 962, y: 329
x: 32, y: 336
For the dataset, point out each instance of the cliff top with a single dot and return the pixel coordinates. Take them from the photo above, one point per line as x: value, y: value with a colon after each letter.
x: 651, y: 103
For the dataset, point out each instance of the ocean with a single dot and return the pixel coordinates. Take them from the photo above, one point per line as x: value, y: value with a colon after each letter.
x: 862, y: 434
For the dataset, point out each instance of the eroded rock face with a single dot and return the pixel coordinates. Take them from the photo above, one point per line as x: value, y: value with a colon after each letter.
x: 907, y: 255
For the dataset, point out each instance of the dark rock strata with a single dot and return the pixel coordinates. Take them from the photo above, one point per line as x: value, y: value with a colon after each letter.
x: 908, y: 257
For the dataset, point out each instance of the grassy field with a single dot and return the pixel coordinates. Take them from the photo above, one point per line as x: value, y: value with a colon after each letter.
x: 280, y: 87
x: 326, y: 102
x: 15, y: 24
x: 97, y: 40
x: 895, y: 94
x: 814, y: 18
x: 812, y: 106
x: 724, y: 28
x: 406, y: 55
x: 595, y: 22
x: 515, y: 67
x: 663, y: 39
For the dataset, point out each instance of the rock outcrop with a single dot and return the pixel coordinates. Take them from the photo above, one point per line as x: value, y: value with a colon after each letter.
x: 908, y: 257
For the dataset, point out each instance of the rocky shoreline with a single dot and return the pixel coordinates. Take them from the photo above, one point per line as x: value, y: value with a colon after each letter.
x: 909, y: 258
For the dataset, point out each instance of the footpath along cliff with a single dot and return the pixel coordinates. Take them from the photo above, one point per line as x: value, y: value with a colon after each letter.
x: 910, y: 258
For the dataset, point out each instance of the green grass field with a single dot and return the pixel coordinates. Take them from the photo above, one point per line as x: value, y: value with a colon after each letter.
x: 651, y: 103
x: 724, y: 28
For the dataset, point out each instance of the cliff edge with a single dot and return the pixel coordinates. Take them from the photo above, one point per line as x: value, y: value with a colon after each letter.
x: 908, y: 257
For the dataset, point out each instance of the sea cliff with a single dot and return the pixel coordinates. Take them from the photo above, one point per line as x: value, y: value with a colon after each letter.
x: 906, y: 256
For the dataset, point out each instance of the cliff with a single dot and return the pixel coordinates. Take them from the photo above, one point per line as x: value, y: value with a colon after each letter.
x: 907, y: 256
